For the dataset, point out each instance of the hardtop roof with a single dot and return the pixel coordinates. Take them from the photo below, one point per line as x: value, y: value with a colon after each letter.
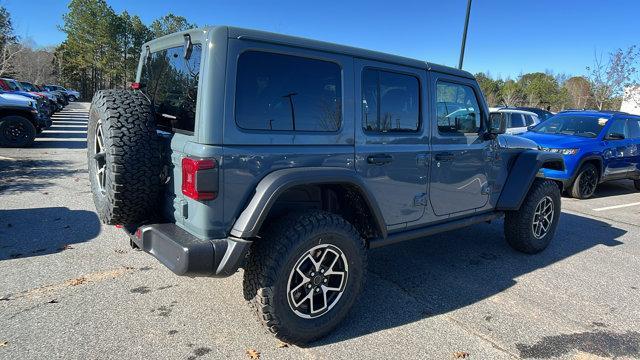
x: 269, y: 37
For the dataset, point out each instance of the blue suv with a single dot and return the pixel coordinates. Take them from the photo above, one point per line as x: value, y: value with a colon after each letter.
x: 597, y: 146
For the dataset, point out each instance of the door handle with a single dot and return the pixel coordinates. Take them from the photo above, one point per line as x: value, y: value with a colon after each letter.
x: 379, y: 159
x: 444, y: 156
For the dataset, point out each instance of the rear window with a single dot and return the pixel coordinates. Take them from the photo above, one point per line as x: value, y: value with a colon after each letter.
x: 171, y: 83
x: 287, y: 93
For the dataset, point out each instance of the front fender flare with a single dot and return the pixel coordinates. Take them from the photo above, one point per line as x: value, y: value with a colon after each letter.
x: 274, y: 184
x: 521, y: 175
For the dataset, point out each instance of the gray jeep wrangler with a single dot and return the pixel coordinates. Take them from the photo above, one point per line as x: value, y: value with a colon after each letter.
x: 290, y: 158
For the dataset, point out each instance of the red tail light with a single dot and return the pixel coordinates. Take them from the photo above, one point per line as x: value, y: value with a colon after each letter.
x: 200, y: 178
x: 135, y: 86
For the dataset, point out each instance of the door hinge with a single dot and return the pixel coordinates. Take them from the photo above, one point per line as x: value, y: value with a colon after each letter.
x: 421, y: 200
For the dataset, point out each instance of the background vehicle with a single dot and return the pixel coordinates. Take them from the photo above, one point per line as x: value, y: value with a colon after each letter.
x: 542, y: 114
x: 19, y: 121
x: 304, y: 155
x: 42, y: 101
x: 60, y: 99
x: 518, y: 121
x: 597, y: 147
x: 72, y: 95
x: 16, y: 86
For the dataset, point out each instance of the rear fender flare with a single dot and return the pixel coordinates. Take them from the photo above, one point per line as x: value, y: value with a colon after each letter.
x: 274, y: 184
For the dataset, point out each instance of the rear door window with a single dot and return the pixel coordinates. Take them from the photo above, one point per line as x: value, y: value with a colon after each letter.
x: 390, y: 101
x: 288, y: 93
x: 171, y: 83
x: 633, y: 126
x: 517, y: 120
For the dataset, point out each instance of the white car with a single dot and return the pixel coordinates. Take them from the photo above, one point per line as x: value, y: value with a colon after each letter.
x: 518, y: 121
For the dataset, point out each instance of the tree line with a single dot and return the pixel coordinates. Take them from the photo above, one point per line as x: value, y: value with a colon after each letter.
x: 601, y: 88
x: 101, y: 49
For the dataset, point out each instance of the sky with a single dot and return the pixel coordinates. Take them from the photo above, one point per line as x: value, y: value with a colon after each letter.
x: 505, y: 38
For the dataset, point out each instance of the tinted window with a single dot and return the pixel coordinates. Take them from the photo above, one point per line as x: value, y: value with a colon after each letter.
x: 390, y: 101
x: 171, y: 82
x: 283, y: 92
x: 577, y: 125
x: 457, y: 109
x: 618, y: 127
x: 633, y: 126
x: 517, y: 120
x: 529, y: 120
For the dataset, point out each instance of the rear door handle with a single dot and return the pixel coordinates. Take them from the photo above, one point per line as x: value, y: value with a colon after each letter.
x: 379, y: 159
x: 444, y: 156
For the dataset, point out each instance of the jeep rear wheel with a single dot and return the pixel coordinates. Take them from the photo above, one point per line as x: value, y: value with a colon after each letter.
x: 16, y: 131
x: 585, y: 183
x: 304, y: 275
x: 531, y: 228
x: 124, y: 157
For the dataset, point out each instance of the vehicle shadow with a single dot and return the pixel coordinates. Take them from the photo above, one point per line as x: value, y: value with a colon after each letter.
x: 32, y: 175
x: 42, y: 231
x: 449, y: 271
x: 613, y: 188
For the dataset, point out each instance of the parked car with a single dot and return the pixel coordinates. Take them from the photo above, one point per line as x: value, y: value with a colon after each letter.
x: 542, y: 114
x: 518, y: 121
x: 72, y: 95
x: 597, y: 146
x: 19, y: 120
x: 60, y: 99
x: 16, y: 86
x: 298, y: 156
x: 44, y: 107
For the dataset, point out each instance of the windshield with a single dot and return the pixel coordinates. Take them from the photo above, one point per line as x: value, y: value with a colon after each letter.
x: 171, y: 82
x: 12, y: 85
x: 28, y: 87
x: 576, y: 125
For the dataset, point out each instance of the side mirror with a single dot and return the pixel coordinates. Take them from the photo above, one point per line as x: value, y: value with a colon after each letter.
x: 497, y: 123
x: 615, y: 136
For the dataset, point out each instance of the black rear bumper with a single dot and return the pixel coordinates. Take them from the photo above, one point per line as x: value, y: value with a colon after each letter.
x: 187, y: 255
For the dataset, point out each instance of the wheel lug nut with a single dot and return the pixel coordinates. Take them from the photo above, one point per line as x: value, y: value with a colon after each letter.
x: 317, y: 289
x: 312, y: 273
x: 325, y: 280
x: 322, y: 271
x: 309, y: 286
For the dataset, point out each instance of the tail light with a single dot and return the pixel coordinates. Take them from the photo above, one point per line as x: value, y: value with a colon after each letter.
x: 200, y: 178
x: 135, y: 86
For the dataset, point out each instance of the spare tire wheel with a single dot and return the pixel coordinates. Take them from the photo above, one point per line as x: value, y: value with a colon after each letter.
x: 124, y: 157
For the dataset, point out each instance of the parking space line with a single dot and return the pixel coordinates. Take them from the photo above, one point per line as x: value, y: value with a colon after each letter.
x: 616, y: 206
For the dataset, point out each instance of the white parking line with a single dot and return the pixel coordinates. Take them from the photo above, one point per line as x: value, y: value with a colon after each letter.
x: 616, y: 206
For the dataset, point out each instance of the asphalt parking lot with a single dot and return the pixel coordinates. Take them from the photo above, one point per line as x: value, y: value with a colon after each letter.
x: 72, y: 288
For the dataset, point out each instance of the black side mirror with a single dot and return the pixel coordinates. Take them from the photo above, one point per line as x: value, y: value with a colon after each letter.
x: 615, y: 136
x: 497, y: 123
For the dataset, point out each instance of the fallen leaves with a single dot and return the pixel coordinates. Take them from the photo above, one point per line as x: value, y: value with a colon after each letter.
x: 253, y: 354
x: 66, y: 247
x: 282, y: 344
x: 460, y: 355
x: 77, y: 281
x: 3, y: 343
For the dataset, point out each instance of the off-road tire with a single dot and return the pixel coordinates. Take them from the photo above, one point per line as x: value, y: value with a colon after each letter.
x: 574, y: 190
x: 273, y: 257
x: 133, y: 157
x: 72, y: 98
x: 518, y: 224
x: 18, y: 126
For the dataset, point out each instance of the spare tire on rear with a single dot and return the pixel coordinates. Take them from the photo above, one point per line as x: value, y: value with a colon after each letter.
x: 124, y: 157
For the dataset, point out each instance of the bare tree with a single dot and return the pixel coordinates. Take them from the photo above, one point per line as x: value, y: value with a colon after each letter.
x: 8, y: 55
x: 609, y: 77
x: 36, y: 65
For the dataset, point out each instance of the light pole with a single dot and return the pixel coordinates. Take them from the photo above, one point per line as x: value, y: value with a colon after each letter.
x: 464, y: 35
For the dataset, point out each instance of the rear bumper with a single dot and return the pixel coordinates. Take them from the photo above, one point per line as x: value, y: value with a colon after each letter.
x: 187, y: 255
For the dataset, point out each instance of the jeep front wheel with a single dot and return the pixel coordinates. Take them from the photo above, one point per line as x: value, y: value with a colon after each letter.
x: 585, y: 183
x: 16, y: 131
x: 304, y: 275
x: 531, y: 228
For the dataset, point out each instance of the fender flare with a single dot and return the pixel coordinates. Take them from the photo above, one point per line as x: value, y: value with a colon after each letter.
x: 274, y: 184
x: 521, y: 175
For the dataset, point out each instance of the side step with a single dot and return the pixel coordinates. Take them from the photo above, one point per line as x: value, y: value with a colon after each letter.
x: 432, y: 229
